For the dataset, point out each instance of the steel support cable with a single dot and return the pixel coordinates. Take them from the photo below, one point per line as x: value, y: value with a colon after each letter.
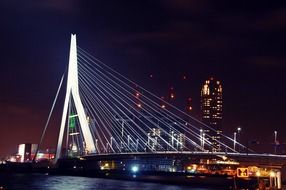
x: 169, y: 126
x: 108, y: 88
x: 90, y: 121
x: 117, y: 114
x: 138, y: 118
x: 49, y: 117
x: 98, y: 124
x: 83, y: 99
x: 110, y: 125
x: 93, y: 59
x: 187, y: 115
x: 170, y: 112
x: 97, y: 116
x: 98, y: 103
x: 111, y: 108
x: 95, y: 102
x: 101, y: 111
x: 177, y: 140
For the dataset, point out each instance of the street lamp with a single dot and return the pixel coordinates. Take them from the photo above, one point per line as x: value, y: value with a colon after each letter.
x: 203, y: 141
x: 238, y: 136
x: 234, y: 140
x: 201, y: 137
x: 275, y: 136
x: 275, y: 142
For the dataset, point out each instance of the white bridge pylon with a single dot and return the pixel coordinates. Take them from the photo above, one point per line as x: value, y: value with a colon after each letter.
x: 72, y: 90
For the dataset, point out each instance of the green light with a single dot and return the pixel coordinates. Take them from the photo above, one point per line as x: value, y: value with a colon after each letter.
x: 72, y: 121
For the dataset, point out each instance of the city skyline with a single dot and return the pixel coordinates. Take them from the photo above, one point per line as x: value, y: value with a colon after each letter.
x: 241, y: 44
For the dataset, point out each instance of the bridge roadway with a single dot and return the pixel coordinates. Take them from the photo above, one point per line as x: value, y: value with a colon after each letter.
x: 244, y: 159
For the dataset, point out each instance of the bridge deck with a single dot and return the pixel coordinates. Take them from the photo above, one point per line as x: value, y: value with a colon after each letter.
x: 242, y: 158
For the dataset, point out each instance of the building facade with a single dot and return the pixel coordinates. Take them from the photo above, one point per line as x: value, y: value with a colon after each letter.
x: 211, y: 111
x: 27, y: 151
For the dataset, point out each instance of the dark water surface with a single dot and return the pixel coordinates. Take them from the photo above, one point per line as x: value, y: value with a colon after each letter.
x: 41, y: 181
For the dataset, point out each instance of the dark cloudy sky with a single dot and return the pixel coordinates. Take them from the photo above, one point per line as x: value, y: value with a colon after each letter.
x: 241, y: 43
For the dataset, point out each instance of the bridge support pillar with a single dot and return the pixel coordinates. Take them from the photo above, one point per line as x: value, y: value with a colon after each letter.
x: 73, y: 92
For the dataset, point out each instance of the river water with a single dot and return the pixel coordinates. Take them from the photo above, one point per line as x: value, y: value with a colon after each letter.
x: 48, y: 182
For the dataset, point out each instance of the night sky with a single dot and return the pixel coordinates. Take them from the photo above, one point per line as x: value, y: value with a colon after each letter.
x: 240, y: 43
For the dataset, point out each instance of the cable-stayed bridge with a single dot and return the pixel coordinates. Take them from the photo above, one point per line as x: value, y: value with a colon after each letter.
x: 105, y: 112
x: 110, y: 120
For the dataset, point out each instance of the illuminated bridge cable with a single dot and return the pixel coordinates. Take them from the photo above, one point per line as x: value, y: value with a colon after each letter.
x: 110, y: 116
x: 119, y: 92
x: 104, y: 121
x: 157, y: 106
x: 103, y: 100
x: 228, y: 139
x: 95, y: 60
x: 49, y: 117
x: 152, y: 106
x: 93, y: 122
x: 108, y: 88
x: 99, y: 124
x: 92, y: 115
x: 96, y: 103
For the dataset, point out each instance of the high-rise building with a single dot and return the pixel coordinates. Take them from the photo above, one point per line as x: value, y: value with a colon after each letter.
x: 211, y: 110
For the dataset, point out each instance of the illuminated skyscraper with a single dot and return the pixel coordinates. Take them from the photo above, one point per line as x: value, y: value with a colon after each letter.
x: 211, y: 109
